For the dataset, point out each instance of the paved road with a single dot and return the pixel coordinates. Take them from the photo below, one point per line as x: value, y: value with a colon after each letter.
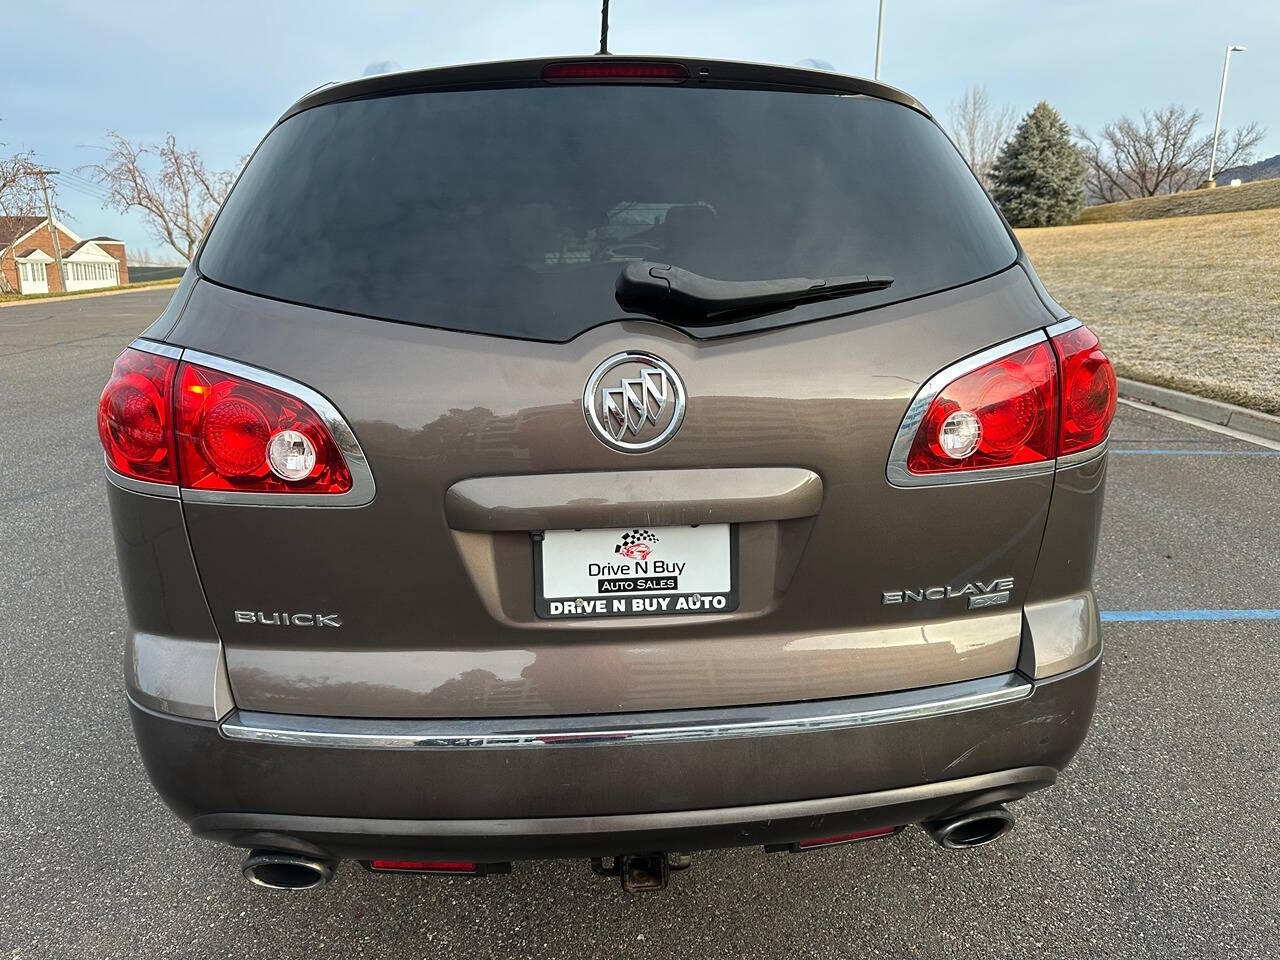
x: 1162, y: 840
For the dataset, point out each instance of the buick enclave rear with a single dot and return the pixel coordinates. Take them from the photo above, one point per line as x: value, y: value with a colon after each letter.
x: 608, y: 459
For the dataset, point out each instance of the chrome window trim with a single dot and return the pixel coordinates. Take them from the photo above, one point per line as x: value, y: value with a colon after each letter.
x: 1063, y: 326
x: 658, y: 727
x: 896, y: 470
x: 134, y: 485
x: 362, y: 485
x: 159, y: 349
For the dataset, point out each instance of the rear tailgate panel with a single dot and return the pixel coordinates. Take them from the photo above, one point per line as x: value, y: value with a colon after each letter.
x: 439, y: 621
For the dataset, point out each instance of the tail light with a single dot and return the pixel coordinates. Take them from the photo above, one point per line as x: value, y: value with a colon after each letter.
x: 1001, y: 414
x: 1020, y: 405
x: 1088, y: 391
x: 234, y: 434
x: 222, y: 430
x: 135, y: 417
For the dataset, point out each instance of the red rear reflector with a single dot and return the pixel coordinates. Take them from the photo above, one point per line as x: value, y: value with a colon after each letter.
x: 846, y: 837
x: 423, y: 866
x: 135, y: 417
x: 1002, y: 414
x: 1088, y: 391
x: 225, y: 425
x: 609, y: 69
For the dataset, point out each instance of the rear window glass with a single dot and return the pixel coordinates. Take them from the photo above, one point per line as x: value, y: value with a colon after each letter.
x: 512, y: 211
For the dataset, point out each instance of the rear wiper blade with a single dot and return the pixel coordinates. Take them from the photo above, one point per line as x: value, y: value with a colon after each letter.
x: 672, y: 293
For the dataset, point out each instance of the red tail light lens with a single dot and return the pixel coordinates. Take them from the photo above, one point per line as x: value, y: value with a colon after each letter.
x: 234, y: 434
x: 1088, y: 390
x: 1001, y: 414
x: 135, y: 417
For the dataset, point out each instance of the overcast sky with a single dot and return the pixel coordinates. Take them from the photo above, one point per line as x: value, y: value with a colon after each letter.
x: 217, y: 75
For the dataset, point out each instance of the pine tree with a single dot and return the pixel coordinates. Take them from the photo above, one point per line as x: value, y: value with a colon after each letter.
x: 1038, y: 178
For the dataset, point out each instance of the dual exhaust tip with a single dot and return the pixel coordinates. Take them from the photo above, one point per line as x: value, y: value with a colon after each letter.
x: 277, y: 870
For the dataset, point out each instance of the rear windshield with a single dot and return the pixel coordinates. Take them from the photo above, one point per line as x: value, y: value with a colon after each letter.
x: 512, y: 211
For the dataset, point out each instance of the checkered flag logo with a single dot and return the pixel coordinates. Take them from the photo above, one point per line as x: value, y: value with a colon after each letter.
x: 636, y: 544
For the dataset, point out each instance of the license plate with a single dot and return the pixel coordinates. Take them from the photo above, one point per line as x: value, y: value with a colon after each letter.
x: 636, y: 571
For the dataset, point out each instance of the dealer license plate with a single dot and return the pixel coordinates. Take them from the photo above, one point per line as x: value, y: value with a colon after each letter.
x: 636, y: 571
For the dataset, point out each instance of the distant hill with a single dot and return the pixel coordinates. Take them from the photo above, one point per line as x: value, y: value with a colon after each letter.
x: 1259, y: 195
x: 1262, y: 170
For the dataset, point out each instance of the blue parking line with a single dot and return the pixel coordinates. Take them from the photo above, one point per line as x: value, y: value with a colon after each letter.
x: 1194, y: 453
x: 1140, y: 616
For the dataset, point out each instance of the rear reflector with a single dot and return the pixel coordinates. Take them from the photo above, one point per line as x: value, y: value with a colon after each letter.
x: 423, y: 866
x: 621, y: 70
x: 846, y: 838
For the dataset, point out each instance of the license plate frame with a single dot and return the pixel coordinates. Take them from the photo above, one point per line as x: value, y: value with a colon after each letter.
x: 678, y: 602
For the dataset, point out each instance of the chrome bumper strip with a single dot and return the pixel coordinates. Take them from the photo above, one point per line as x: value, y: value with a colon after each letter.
x: 657, y: 727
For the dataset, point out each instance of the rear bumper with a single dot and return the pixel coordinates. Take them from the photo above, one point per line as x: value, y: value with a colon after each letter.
x: 501, y: 790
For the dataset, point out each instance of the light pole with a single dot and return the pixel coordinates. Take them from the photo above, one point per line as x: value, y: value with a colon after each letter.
x: 879, y: 37
x: 1222, y: 93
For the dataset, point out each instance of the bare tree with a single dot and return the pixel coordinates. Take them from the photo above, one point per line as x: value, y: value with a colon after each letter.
x: 1163, y: 152
x: 980, y: 129
x: 19, y: 197
x: 172, y: 188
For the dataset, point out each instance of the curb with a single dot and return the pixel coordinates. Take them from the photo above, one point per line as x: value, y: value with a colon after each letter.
x: 90, y: 294
x: 1214, y: 411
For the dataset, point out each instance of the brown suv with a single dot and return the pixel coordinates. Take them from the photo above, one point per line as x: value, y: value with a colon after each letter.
x: 605, y: 458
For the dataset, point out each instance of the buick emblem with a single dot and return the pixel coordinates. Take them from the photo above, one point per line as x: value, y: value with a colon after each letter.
x: 634, y: 402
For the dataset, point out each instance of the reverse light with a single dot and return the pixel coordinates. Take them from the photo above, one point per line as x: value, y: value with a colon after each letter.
x: 135, y: 417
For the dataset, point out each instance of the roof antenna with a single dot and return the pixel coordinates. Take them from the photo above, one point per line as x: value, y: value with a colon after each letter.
x: 604, y: 30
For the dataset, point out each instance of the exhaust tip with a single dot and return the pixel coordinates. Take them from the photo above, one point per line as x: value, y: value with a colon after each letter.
x: 285, y: 871
x: 974, y: 829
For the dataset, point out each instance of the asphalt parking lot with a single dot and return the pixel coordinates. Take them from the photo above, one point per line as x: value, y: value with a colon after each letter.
x: 1161, y: 840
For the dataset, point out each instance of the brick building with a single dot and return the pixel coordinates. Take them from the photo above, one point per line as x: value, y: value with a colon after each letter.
x: 28, y: 264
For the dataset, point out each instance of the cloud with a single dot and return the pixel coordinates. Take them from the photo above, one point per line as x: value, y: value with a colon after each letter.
x: 814, y: 64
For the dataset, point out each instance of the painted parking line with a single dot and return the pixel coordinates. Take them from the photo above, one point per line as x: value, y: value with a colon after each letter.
x: 1141, y: 616
x: 1193, y: 453
x: 1203, y: 424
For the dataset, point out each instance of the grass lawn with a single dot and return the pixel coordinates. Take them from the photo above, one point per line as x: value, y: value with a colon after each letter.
x: 1190, y: 302
x: 1259, y: 195
x: 8, y: 297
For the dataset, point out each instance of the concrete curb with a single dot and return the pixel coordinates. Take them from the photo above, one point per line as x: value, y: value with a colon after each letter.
x: 91, y: 293
x: 1214, y: 411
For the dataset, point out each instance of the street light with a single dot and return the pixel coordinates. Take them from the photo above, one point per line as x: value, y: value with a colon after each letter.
x: 880, y: 35
x: 1222, y: 92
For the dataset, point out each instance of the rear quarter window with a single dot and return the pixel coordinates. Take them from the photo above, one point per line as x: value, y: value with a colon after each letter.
x: 511, y: 211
